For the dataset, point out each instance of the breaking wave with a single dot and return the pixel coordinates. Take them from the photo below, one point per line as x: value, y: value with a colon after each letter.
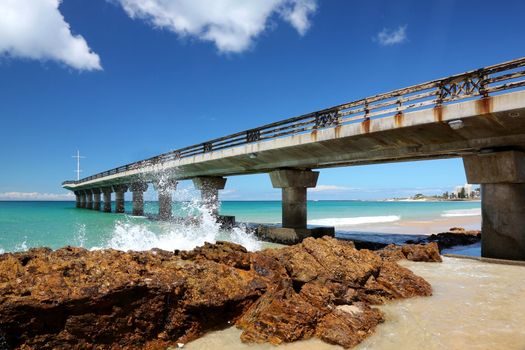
x: 128, y: 234
x: 354, y: 221
x: 461, y: 212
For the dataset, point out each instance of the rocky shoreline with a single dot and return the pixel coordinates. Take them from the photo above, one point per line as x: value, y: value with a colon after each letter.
x: 72, y: 298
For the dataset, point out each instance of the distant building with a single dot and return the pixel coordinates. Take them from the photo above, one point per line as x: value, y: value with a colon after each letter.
x: 465, y: 191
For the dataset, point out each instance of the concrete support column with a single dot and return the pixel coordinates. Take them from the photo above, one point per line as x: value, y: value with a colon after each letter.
x: 89, y: 199
x: 209, y: 187
x: 82, y: 199
x: 96, y: 199
x: 502, y: 179
x: 294, y: 184
x: 119, y: 197
x: 107, y: 199
x: 77, y: 197
x: 164, y: 188
x: 138, y: 189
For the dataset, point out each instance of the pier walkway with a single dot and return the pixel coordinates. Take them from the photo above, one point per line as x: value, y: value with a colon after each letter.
x: 478, y: 115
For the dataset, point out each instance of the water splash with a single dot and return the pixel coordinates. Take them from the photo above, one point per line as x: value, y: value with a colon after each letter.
x: 21, y: 247
x: 80, y: 237
x: 132, y: 234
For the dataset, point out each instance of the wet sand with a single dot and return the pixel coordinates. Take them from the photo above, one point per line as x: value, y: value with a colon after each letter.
x: 423, y: 227
x: 475, y: 305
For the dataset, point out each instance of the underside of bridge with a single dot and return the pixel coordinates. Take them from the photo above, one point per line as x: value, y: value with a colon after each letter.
x: 470, y: 115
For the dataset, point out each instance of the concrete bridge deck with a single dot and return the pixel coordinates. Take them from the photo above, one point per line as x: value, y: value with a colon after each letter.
x: 468, y: 115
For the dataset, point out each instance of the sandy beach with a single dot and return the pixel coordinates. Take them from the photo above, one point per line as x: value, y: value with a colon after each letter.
x: 417, y: 227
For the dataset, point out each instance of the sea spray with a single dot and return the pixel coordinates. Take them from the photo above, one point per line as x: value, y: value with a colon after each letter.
x: 132, y: 234
x: 80, y: 237
x: 20, y: 247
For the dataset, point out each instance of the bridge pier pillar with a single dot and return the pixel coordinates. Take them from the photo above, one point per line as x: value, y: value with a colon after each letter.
x: 119, y: 197
x: 138, y: 189
x: 89, y: 199
x: 294, y: 184
x: 96, y: 198
x: 77, y: 197
x: 82, y: 199
x: 164, y: 189
x: 209, y: 187
x: 502, y: 179
x: 107, y: 199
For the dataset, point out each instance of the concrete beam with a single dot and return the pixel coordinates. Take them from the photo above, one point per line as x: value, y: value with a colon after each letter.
x: 286, y: 178
x: 107, y: 199
x: 119, y: 197
x: 209, y: 187
x: 497, y: 167
x: 502, y: 179
x: 96, y: 198
x: 138, y: 189
x: 164, y: 188
x: 294, y: 184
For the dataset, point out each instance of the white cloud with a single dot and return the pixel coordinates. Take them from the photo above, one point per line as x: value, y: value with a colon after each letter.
x: 36, y: 29
x: 388, y: 37
x: 36, y: 196
x: 327, y: 188
x: 231, y: 25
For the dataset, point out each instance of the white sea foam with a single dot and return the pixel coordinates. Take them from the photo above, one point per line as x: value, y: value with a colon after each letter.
x: 2, y: 251
x: 21, y: 246
x: 354, y: 221
x: 461, y: 212
x: 133, y: 235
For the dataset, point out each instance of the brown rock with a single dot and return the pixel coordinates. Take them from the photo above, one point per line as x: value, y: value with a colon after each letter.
x: 416, y: 252
x: 456, y: 236
x: 72, y: 298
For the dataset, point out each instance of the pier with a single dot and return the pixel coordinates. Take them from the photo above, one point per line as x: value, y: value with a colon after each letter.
x: 477, y: 115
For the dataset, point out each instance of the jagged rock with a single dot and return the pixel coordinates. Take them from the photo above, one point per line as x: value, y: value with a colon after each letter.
x: 454, y: 237
x: 416, y: 252
x: 72, y: 298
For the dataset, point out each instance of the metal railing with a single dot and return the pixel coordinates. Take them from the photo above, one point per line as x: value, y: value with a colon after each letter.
x: 482, y: 82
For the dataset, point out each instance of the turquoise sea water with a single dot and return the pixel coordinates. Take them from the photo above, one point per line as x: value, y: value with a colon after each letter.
x: 55, y: 224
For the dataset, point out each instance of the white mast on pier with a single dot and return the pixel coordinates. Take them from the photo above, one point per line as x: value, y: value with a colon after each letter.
x: 78, y: 171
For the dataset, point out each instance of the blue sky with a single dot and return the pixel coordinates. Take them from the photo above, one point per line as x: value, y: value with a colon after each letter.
x: 122, y: 82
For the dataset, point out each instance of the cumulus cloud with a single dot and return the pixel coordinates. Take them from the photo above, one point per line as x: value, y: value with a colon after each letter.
x: 388, y: 37
x: 231, y: 25
x: 36, y: 29
x: 36, y: 196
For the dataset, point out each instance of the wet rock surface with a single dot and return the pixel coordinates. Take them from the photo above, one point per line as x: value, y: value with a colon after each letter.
x: 455, y: 236
x: 72, y: 298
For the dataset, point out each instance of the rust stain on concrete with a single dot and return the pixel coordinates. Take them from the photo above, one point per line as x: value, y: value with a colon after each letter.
x: 438, y: 113
x: 398, y: 118
x: 365, y: 125
x: 313, y: 135
x: 484, y: 105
